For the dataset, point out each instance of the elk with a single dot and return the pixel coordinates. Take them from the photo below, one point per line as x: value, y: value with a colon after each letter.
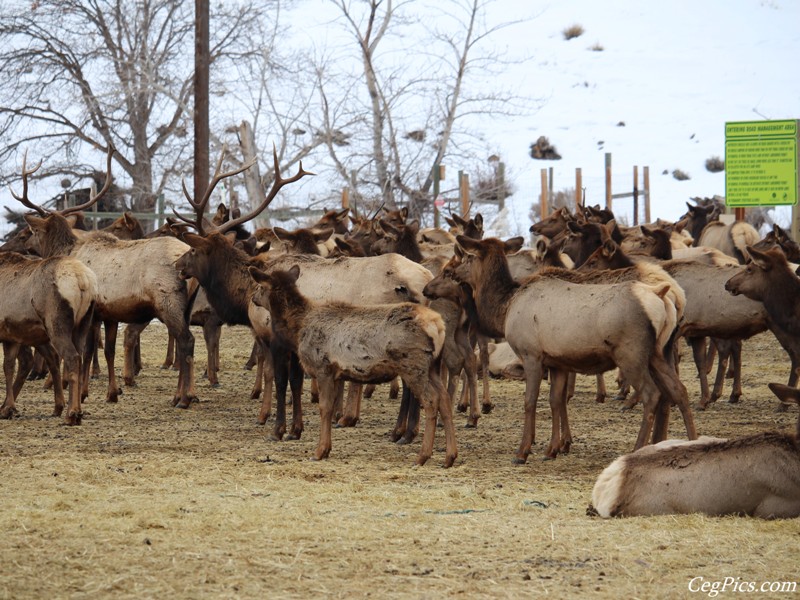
x: 757, y: 475
x: 337, y: 342
x: 625, y: 325
x: 137, y: 281
x: 731, y: 239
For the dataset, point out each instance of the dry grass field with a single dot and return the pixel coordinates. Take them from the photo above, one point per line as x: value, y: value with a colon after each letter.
x: 147, y: 501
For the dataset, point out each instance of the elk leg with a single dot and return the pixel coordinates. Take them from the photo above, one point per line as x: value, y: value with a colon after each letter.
x: 394, y: 389
x: 397, y: 434
x: 98, y: 343
x: 280, y: 365
x: 10, y: 351
x: 724, y: 353
x: 327, y: 393
x: 296, y: 384
x: 534, y: 370
x: 53, y: 362
x: 113, y: 392
x: 131, y: 340
x: 600, y: 394
x: 674, y: 392
x: 266, y: 400
x: 700, y: 354
x: 39, y: 368
x: 184, y: 353
x: 736, y: 364
x: 253, y: 360
x: 352, y: 406
x: 471, y: 382
x: 444, y: 406
x: 169, y: 359
x: 483, y: 351
x: 412, y: 417
x: 560, y: 436
x: 24, y: 366
x: 212, y: 332
x: 431, y: 410
x: 72, y: 368
x: 261, y: 348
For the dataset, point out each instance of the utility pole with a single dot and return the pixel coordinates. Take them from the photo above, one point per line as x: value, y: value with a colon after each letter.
x: 201, y: 67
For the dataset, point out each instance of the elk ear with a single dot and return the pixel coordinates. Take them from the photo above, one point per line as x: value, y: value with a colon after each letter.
x: 323, y: 235
x: 388, y: 229
x: 541, y: 247
x: 574, y: 227
x: 468, y: 245
x: 512, y: 245
x: 282, y: 234
x: 404, y: 213
x: 128, y: 220
x: 342, y: 214
x: 194, y: 240
x: 414, y: 227
x: 609, y: 248
x: 760, y: 259
x: 258, y: 275
x: 34, y: 222
x: 451, y: 221
x: 478, y: 219
x: 294, y: 272
x: 785, y: 393
x: 458, y: 251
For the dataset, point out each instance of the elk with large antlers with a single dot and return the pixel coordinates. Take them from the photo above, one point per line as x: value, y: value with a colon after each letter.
x: 137, y: 281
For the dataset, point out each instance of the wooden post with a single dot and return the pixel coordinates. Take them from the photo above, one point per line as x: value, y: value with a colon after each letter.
x: 345, y: 197
x: 578, y: 188
x: 739, y: 213
x: 543, y: 200
x: 463, y: 193
x: 646, y: 176
x: 795, y: 224
x: 550, y: 178
x: 635, y: 195
x: 201, y: 90
x: 161, y: 203
x: 436, y: 174
x: 608, y: 181
x: 501, y: 185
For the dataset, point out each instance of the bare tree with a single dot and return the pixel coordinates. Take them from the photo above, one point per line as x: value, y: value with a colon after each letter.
x: 77, y: 74
x: 408, y: 107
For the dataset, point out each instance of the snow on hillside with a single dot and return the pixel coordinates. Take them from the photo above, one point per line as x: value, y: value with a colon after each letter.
x: 673, y: 72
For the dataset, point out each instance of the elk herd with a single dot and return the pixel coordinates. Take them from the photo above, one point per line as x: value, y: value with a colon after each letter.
x: 366, y: 301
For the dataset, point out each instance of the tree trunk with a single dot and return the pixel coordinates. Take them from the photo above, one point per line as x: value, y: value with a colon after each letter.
x: 252, y: 176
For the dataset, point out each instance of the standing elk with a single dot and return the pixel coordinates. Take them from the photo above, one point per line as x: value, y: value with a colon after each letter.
x: 137, y: 282
x: 626, y: 325
x: 757, y: 475
x: 337, y: 342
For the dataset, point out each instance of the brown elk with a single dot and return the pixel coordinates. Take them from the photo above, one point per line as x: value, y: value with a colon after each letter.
x: 757, y: 475
x: 338, y: 342
x: 625, y: 325
x: 137, y: 282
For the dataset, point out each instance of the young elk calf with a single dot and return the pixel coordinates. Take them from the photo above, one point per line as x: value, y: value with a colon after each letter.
x: 757, y: 475
x: 338, y: 342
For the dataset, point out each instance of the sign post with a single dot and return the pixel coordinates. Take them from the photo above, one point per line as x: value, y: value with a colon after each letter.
x: 761, y: 160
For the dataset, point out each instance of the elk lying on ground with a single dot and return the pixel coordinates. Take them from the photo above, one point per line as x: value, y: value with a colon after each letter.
x: 625, y: 325
x: 369, y: 344
x: 49, y: 304
x: 757, y: 475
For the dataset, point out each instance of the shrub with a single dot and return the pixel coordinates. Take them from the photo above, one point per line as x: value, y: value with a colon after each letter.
x: 715, y: 164
x: 572, y: 31
x: 680, y: 175
x: 542, y: 149
x: 596, y: 47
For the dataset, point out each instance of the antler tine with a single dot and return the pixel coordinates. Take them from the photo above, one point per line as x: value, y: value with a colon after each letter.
x: 94, y: 198
x: 200, y: 207
x: 24, y: 198
x: 277, y: 184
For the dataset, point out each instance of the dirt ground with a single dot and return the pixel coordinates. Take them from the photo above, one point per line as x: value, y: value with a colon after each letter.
x: 147, y: 501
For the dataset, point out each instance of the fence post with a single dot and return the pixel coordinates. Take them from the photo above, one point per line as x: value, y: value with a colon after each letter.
x: 543, y: 201
x: 160, y: 203
x: 608, y: 181
x: 646, y: 176
x: 463, y: 193
x: 578, y: 187
x: 435, y: 194
x: 501, y: 185
x: 635, y: 195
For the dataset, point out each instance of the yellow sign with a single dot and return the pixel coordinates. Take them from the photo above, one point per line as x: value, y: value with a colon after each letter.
x: 761, y: 163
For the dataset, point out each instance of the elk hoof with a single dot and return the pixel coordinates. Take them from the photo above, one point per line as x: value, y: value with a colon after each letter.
x: 112, y: 398
x: 520, y: 460
x: 487, y: 408
x: 74, y: 418
x: 734, y: 399
x: 347, y: 421
x: 471, y: 424
x: 461, y: 408
x: 215, y: 385
x: 8, y: 413
x: 184, y: 402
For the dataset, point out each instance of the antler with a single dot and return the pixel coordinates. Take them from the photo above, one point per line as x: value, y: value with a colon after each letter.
x: 200, y: 207
x: 277, y: 184
x: 24, y: 198
x: 94, y: 198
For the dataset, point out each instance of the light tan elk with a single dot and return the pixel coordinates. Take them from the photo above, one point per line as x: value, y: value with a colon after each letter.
x: 587, y: 328
x: 757, y: 475
x: 338, y: 342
